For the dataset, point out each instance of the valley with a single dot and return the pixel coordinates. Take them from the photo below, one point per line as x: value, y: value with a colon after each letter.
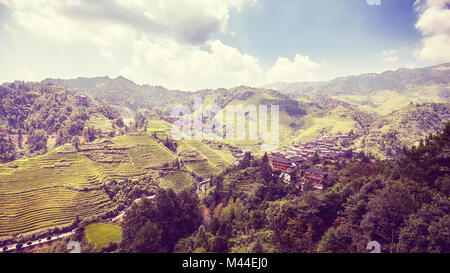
x: 80, y: 151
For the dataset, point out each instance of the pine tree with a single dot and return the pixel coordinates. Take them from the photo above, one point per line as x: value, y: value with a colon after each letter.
x: 19, y: 139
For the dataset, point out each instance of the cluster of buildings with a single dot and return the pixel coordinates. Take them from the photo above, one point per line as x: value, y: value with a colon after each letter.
x: 325, y: 148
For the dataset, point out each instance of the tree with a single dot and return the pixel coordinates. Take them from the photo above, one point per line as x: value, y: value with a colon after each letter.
x: 76, y: 145
x: 177, y: 216
x: 139, y: 121
x: 7, y: 149
x: 386, y: 214
x: 337, y: 240
x: 266, y: 169
x: 427, y: 230
x: 119, y: 122
x: 245, y: 162
x: 257, y: 219
x: 256, y: 247
x: 19, y: 247
x: 307, y: 186
x: 170, y: 144
x: 37, y: 141
x: 219, y: 244
x: 19, y: 139
x: 89, y: 134
x: 147, y: 239
x: 218, y: 190
x: 297, y: 237
x: 315, y: 158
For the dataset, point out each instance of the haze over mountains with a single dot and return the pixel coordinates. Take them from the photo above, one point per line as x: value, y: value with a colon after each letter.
x: 429, y: 83
x: 100, y: 143
x: 401, y: 80
x: 308, y: 109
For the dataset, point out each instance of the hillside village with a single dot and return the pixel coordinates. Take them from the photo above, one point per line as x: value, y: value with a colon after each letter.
x: 304, y: 157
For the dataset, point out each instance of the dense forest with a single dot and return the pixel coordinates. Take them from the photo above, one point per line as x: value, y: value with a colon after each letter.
x: 31, y: 113
x: 404, y: 205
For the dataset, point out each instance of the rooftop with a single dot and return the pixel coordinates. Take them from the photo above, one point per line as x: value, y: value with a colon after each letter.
x: 316, y: 171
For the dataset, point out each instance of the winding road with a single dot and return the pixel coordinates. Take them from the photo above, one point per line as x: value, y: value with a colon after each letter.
x: 61, y: 235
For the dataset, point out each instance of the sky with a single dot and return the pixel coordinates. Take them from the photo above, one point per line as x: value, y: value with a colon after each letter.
x: 199, y: 44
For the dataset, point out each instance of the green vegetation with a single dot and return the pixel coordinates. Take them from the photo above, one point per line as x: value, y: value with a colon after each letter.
x: 102, y: 234
x: 334, y: 121
x: 93, y: 180
x: 68, y: 161
x: 39, y: 117
x: 127, y: 96
x: 155, y: 226
x: 404, y: 127
x: 69, y: 185
x: 402, y: 204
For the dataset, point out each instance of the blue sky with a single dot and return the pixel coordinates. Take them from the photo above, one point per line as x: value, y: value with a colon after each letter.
x: 331, y: 30
x: 217, y: 43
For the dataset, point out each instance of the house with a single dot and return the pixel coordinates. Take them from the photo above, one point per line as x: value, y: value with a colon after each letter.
x: 281, y: 163
x: 316, y: 176
x: 273, y: 155
x: 297, y: 160
x: 284, y: 163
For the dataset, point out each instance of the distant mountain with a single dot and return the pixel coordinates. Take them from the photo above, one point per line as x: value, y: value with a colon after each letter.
x: 380, y: 93
x: 293, y: 87
x: 401, y: 80
x: 123, y: 93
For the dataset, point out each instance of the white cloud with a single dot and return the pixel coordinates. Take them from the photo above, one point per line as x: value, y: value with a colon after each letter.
x: 173, y: 41
x: 389, y: 56
x: 194, y: 21
x: 165, y: 42
x: 302, y: 68
x: 434, y: 24
x: 168, y: 63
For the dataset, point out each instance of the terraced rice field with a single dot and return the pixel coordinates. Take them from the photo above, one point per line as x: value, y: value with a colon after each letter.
x: 176, y: 180
x: 244, y: 181
x: 50, y: 190
x: 98, y: 121
x: 210, y: 160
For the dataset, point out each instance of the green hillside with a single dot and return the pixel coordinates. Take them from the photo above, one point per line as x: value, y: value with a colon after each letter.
x: 126, y: 95
x: 381, y: 93
x: 331, y: 121
x: 290, y: 112
x: 53, y: 189
x: 404, y: 127
x: 35, y: 118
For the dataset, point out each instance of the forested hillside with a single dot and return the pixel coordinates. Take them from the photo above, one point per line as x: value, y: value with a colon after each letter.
x: 35, y: 117
x: 405, y: 127
x: 126, y: 95
x: 403, y: 205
